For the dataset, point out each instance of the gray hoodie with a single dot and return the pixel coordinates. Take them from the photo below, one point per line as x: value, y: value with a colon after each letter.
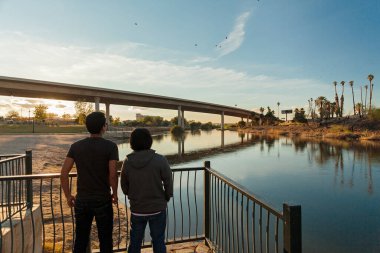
x: 146, y: 179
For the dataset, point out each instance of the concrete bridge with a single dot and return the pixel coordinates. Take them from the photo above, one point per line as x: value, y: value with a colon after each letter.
x: 20, y: 87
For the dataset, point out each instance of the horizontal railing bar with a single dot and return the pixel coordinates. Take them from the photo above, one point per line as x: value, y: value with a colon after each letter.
x: 188, y: 169
x: 245, y: 191
x: 11, y: 158
x: 9, y: 155
x: 73, y: 174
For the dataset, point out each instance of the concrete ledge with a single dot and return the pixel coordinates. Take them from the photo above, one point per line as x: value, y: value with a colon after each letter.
x: 14, y: 228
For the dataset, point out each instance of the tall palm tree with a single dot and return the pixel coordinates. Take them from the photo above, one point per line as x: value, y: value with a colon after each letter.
x: 370, y: 78
x: 365, y: 101
x: 278, y: 110
x: 342, y: 98
x: 361, y: 100
x: 353, y: 98
x: 337, y: 110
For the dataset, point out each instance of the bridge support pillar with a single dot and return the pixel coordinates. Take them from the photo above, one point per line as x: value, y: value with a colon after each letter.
x: 108, y: 113
x: 97, y: 101
x: 181, y: 119
x: 222, y: 122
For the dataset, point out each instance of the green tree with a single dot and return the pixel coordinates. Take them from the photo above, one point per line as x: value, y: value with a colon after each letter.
x: 320, y: 103
x: 241, y: 124
x: 82, y: 109
x: 174, y: 121
x: 270, y: 112
x: 195, y: 125
x: 116, y: 121
x: 40, y: 112
x: 66, y: 116
x: 299, y: 115
x: 206, y: 126
x: 12, y: 114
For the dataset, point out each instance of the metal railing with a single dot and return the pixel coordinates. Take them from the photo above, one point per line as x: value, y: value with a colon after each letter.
x: 240, y: 222
x: 15, y: 195
x: 206, y: 206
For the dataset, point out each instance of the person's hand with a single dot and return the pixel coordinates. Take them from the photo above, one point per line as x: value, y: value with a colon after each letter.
x: 114, y: 198
x: 70, y: 201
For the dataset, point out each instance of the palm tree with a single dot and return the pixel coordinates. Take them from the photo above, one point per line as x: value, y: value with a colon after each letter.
x: 359, y: 107
x: 365, y: 101
x: 342, y: 98
x: 278, y: 110
x: 361, y: 99
x: 370, y: 78
x: 337, y: 110
x: 353, y: 98
x: 320, y: 101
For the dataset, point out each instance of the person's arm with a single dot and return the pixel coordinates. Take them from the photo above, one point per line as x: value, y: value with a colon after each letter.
x: 66, y: 168
x: 113, y: 179
x: 166, y: 175
x: 124, y: 182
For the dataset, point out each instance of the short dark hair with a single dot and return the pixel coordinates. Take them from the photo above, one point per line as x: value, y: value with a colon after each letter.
x: 141, y: 139
x: 95, y: 121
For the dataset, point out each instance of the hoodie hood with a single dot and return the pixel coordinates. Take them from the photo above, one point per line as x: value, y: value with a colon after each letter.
x: 139, y: 159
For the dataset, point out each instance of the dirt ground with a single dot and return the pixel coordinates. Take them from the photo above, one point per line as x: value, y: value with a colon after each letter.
x: 48, y: 150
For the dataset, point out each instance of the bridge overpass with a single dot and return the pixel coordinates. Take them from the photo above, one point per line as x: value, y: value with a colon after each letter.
x: 19, y: 87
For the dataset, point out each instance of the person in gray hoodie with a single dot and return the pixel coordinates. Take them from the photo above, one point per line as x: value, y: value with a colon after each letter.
x: 146, y: 179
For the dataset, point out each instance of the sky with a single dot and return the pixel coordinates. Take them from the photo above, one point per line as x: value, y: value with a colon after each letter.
x: 242, y: 53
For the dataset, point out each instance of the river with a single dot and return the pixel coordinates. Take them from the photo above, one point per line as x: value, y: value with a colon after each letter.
x: 336, y: 183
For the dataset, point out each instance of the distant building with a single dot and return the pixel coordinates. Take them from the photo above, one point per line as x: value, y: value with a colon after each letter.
x: 139, y: 116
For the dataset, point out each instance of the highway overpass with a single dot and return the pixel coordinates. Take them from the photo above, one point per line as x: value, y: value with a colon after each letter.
x: 19, y: 87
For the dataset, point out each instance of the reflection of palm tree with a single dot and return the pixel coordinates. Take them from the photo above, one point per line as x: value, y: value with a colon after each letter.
x: 370, y: 183
x: 370, y: 78
x: 353, y: 98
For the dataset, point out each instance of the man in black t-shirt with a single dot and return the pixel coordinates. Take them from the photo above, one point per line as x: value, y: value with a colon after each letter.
x: 95, y: 159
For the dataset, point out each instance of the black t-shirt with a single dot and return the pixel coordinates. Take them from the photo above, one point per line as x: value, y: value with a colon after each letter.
x: 91, y: 157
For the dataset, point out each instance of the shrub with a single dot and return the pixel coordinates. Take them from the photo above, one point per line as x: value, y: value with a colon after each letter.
x: 177, y: 130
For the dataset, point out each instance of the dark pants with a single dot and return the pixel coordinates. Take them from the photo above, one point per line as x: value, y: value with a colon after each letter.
x: 157, y: 225
x: 85, y: 211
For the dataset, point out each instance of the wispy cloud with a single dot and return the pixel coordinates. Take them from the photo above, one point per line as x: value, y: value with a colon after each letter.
x: 236, y: 37
x: 28, y: 57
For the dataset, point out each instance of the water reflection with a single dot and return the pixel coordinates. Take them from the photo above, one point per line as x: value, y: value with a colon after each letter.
x: 334, y: 181
x: 344, y: 156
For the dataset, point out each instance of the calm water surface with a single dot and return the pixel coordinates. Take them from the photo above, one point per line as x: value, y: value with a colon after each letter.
x: 337, y: 184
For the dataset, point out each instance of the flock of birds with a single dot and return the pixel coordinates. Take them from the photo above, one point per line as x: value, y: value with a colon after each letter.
x: 196, y: 44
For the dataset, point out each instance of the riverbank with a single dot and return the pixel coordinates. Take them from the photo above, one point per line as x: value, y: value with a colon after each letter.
x: 348, y: 131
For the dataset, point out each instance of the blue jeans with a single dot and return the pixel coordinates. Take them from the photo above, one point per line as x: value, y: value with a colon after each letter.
x: 157, y: 225
x: 85, y: 211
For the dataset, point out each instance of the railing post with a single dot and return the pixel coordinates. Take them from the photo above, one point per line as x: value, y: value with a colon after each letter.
x: 206, y: 218
x: 29, y: 185
x: 292, y: 229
